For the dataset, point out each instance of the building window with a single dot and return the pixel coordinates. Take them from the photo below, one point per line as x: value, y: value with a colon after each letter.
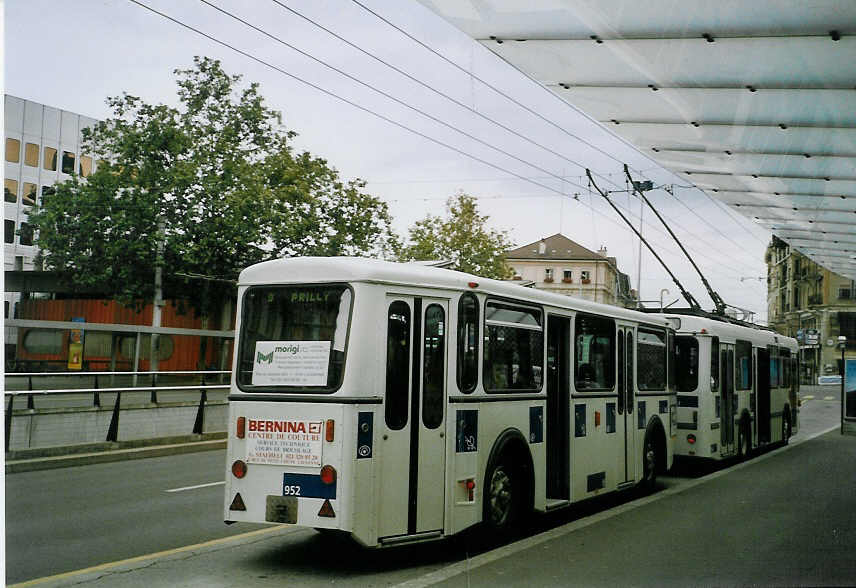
x: 9, y: 231
x: 67, y: 162
x: 26, y: 237
x: 844, y: 293
x: 31, y: 155
x: 29, y: 194
x: 47, y: 191
x: 10, y: 190
x: 567, y: 276
x: 50, y: 159
x: 85, y: 165
x: 585, y: 276
x: 548, y: 274
x: 19, y: 263
x: 13, y: 150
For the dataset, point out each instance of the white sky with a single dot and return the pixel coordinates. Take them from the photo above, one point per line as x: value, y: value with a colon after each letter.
x: 73, y: 55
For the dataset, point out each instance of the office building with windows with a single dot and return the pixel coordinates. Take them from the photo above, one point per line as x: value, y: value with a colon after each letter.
x: 42, y: 148
x: 813, y: 304
x: 560, y: 265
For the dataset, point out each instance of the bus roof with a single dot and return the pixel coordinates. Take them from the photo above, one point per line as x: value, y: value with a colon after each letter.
x: 357, y: 269
x: 718, y: 328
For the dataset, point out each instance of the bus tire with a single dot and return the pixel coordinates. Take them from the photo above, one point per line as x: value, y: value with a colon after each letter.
x: 653, y: 455
x: 786, y: 426
x: 744, y: 441
x: 507, y: 487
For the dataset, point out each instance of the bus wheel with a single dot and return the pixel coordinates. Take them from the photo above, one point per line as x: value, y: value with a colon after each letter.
x: 500, y: 497
x: 649, y: 462
x: 744, y: 441
x: 786, y: 427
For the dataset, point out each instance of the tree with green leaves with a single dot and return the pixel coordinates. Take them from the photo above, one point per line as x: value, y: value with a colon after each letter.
x: 463, y: 238
x: 214, y: 184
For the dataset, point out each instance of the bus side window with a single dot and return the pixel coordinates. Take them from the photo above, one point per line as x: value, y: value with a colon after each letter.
x: 714, y: 364
x: 433, y: 357
x: 468, y: 343
x: 594, y: 353
x: 397, y: 364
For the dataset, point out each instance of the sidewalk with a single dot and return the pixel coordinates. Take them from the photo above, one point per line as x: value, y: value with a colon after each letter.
x: 63, y: 457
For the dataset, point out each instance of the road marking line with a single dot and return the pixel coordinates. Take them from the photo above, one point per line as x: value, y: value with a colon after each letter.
x: 156, y: 555
x: 829, y: 397
x: 808, y: 397
x: 468, y: 565
x: 197, y: 486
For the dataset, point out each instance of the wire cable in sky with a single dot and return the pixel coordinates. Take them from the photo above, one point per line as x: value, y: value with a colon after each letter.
x: 534, y: 112
x: 356, y: 105
x: 415, y: 109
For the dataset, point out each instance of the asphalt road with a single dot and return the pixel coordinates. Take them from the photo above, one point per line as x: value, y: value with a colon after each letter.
x: 71, y: 518
x: 63, y: 520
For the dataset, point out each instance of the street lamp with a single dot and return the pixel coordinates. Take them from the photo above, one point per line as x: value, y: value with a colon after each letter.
x: 842, y: 344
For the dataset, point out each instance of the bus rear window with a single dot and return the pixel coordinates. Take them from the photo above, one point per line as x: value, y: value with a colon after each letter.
x: 293, y: 337
x: 686, y: 364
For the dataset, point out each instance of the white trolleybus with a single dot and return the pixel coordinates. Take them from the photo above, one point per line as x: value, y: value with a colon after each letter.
x: 398, y: 402
x: 737, y: 387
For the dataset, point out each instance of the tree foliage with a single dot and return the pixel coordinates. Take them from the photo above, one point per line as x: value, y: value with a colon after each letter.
x: 215, y: 180
x: 463, y: 238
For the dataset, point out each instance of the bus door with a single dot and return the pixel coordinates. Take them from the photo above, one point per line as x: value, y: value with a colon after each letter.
x: 762, y: 414
x: 411, y: 498
x: 558, y: 407
x: 626, y: 428
x: 726, y: 401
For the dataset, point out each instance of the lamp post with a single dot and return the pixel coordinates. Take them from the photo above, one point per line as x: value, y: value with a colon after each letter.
x: 842, y: 345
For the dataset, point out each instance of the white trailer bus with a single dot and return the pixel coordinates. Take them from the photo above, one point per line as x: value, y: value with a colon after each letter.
x: 737, y: 387
x: 398, y: 402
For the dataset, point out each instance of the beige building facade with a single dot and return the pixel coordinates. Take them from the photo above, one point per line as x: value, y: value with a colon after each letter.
x: 813, y: 304
x: 558, y: 264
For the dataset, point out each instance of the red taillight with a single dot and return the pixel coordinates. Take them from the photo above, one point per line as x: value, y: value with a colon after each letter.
x: 691, y: 439
x: 331, y: 427
x: 241, y: 427
x: 239, y: 469
x: 328, y: 474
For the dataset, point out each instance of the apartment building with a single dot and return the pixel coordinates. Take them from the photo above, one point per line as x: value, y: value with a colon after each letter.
x: 560, y: 265
x: 813, y: 304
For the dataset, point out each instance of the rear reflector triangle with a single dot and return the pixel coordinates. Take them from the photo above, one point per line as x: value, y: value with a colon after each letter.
x: 326, y: 509
x: 237, y: 503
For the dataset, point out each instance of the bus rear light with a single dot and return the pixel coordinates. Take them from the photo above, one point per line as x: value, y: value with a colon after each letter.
x: 328, y: 474
x: 241, y: 427
x: 473, y: 284
x: 691, y: 439
x: 330, y: 431
x: 239, y: 468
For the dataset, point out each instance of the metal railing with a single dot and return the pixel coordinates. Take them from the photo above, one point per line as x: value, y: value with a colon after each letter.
x: 96, y: 390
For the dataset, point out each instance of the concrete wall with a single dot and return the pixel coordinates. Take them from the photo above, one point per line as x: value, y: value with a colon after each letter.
x: 62, y: 427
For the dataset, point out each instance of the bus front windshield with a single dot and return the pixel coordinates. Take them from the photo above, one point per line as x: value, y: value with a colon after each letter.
x: 293, y: 337
x: 686, y: 364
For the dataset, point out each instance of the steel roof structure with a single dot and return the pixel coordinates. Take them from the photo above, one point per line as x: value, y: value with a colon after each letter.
x: 753, y: 101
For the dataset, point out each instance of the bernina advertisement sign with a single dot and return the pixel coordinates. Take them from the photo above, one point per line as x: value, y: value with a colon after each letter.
x: 284, y: 442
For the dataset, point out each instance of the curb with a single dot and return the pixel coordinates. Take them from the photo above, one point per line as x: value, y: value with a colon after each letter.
x: 67, y: 461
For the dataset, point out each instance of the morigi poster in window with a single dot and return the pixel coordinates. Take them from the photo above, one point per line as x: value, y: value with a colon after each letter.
x: 291, y: 363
